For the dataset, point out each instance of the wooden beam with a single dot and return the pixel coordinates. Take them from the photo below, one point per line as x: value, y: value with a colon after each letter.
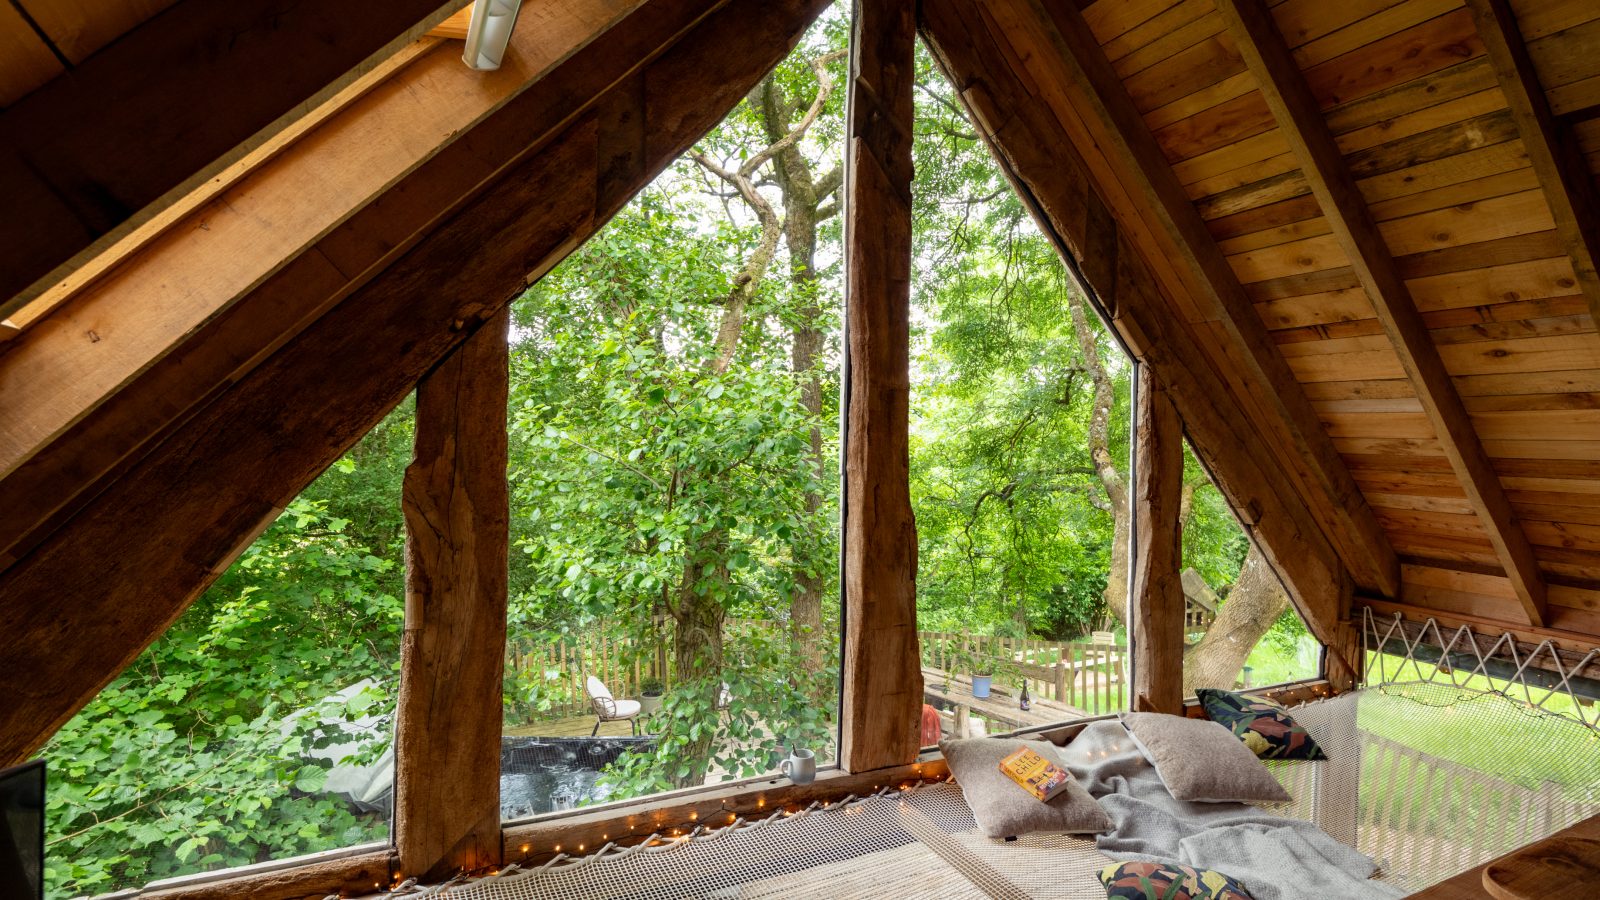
x: 85, y: 602
x: 882, y: 666
x: 224, y: 286
x: 166, y: 106
x: 1040, y: 158
x: 450, y: 714
x: 455, y: 27
x: 349, y: 876
x: 1573, y: 642
x: 1554, y: 152
x: 1149, y: 201
x: 1300, y: 120
x: 1157, y: 599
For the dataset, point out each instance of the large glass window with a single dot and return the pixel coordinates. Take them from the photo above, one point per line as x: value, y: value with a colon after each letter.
x: 674, y: 608
x: 259, y: 726
x: 1241, y: 629
x: 1019, y: 453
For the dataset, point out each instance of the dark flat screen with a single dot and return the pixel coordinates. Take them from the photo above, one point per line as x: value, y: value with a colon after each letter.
x: 22, y: 831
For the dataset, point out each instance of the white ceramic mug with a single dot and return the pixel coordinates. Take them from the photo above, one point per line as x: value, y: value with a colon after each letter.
x: 801, y: 767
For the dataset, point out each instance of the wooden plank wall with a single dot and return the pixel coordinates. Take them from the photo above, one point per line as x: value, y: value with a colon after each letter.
x: 1423, y: 126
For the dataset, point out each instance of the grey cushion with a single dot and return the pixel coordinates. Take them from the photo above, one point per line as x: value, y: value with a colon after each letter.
x: 1201, y: 761
x: 1004, y: 808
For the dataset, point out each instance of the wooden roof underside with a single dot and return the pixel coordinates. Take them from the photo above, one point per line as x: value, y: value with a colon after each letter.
x: 1367, y: 288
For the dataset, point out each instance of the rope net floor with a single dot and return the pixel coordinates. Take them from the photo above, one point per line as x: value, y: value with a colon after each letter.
x: 1430, y: 779
x: 1431, y: 770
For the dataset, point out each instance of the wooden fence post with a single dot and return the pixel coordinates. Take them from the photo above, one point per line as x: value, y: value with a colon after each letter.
x: 448, y: 722
x: 882, y: 669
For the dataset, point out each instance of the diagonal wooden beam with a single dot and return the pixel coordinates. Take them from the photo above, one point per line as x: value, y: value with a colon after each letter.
x: 1150, y: 198
x: 225, y: 284
x: 1555, y: 155
x: 93, y: 153
x: 1300, y: 118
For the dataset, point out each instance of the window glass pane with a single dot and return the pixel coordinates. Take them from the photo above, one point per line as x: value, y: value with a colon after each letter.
x: 258, y: 727
x: 1019, y: 453
x: 674, y: 608
x: 1241, y: 629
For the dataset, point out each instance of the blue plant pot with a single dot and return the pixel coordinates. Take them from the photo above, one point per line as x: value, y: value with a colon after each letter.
x: 980, y: 686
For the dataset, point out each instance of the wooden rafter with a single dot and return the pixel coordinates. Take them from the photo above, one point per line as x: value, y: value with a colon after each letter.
x: 882, y: 665
x: 1152, y: 202
x: 177, y: 99
x: 1041, y: 158
x: 1556, y: 156
x: 205, y: 300
x: 1300, y: 119
x: 220, y: 477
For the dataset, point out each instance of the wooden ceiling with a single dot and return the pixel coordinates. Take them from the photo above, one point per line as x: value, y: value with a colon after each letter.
x: 40, y: 39
x: 1400, y: 192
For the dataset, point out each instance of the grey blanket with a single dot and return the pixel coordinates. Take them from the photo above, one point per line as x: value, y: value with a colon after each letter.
x: 1274, y: 857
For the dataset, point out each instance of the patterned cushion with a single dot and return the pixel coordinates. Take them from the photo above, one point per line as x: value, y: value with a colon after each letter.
x: 1264, y: 726
x: 1167, y: 881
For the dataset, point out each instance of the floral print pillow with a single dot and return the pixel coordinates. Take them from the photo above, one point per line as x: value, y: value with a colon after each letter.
x: 1264, y: 726
x: 1167, y: 881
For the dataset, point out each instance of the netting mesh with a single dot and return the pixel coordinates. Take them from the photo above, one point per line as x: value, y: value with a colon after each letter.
x: 1430, y: 776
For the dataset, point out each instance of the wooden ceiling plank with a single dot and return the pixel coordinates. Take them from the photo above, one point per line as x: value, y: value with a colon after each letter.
x: 1075, y: 60
x: 25, y: 60
x: 351, y: 366
x: 80, y: 27
x: 85, y: 159
x: 1556, y: 158
x: 1300, y: 118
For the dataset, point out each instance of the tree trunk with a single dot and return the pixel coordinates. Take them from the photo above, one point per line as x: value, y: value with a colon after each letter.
x: 802, y: 198
x: 697, y: 644
x: 1256, y: 601
x: 1105, y: 465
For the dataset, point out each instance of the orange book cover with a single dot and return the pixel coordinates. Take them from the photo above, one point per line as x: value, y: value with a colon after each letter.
x: 1038, y: 775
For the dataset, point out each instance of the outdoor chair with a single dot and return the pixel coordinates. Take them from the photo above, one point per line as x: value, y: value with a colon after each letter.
x: 609, y: 709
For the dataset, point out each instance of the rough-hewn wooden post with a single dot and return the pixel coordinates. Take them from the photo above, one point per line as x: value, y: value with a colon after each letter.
x: 447, y: 742
x: 1158, y: 603
x: 882, y: 671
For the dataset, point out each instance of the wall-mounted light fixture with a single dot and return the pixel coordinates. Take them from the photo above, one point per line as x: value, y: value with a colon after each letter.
x: 488, y: 33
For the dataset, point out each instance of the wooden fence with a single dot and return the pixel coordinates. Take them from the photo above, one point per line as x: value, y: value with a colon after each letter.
x: 555, y: 671
x: 1082, y: 674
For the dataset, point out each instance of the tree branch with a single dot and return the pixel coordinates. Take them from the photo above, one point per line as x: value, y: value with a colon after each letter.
x: 824, y: 90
